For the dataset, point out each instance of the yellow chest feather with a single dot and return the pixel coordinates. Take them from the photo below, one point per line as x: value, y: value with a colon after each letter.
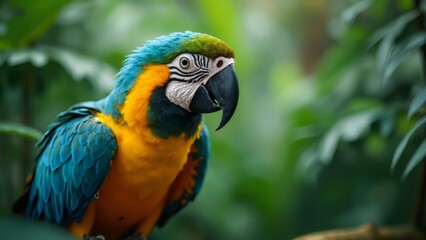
x: 144, y: 163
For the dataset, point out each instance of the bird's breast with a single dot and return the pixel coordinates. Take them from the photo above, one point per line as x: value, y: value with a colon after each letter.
x: 144, y: 163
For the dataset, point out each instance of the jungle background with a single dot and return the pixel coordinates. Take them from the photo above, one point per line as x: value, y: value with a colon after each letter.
x: 329, y: 131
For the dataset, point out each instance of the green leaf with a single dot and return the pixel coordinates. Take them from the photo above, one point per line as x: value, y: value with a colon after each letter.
x: 37, y: 57
x: 350, y: 13
x: 349, y: 128
x: 392, y: 29
x: 328, y: 145
x: 20, y: 130
x: 355, y: 126
x: 387, y: 122
x: 415, y: 159
x: 387, y: 36
x: 401, y: 146
x: 308, y: 166
x: 414, y: 42
x: 417, y: 102
x: 80, y: 66
x: 383, y: 53
x: 30, y: 22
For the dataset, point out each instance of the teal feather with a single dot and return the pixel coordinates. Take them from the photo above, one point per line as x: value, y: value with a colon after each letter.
x: 67, y: 176
x: 57, y: 181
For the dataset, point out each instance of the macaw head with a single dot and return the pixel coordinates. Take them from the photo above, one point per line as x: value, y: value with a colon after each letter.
x: 196, y: 76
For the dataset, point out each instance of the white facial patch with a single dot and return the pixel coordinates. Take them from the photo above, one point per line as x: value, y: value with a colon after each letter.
x: 188, y: 72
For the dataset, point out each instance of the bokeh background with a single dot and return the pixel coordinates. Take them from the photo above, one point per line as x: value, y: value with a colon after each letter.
x: 325, y: 87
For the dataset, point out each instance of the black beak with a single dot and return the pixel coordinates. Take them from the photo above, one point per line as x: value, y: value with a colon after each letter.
x: 220, y: 92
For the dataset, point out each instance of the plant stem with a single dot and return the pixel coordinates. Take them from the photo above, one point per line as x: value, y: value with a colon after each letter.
x: 418, y: 208
x: 26, y: 117
x: 419, y: 204
x: 366, y: 232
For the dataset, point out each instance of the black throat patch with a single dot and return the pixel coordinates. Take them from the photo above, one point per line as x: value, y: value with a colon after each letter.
x: 168, y: 119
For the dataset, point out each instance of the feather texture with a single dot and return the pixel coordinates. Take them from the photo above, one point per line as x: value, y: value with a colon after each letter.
x: 74, y: 160
x: 189, y: 181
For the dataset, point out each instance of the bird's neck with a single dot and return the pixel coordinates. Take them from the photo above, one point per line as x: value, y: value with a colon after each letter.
x: 146, y: 107
x: 167, y: 119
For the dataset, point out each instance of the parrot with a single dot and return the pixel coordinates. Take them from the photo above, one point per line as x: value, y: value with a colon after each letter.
x: 122, y: 165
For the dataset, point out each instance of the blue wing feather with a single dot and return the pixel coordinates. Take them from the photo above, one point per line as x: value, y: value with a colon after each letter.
x: 73, y: 161
x: 191, y: 178
x: 57, y: 181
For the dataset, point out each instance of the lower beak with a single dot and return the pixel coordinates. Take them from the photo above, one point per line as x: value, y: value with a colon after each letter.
x: 220, y: 92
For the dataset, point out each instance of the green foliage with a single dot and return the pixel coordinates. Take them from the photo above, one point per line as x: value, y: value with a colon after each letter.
x: 390, y: 55
x: 20, y: 130
x: 416, y: 158
x: 387, y: 36
x: 413, y: 43
x: 418, y: 101
x: 403, y: 144
x: 397, y: 42
x: 28, y: 22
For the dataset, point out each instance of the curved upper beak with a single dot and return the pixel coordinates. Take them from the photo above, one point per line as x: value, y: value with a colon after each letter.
x: 220, y: 92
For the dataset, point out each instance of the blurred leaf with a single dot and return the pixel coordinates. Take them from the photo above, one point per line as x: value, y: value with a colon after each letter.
x: 383, y: 53
x: 37, y: 57
x: 336, y: 61
x: 414, y: 42
x: 328, y: 145
x: 391, y: 30
x: 79, y: 67
x: 401, y: 146
x: 350, y: 13
x: 385, y: 117
x: 308, y: 166
x: 22, y: 229
x: 349, y: 128
x: 387, y: 122
x: 387, y: 36
x: 415, y: 159
x: 31, y: 23
x: 417, y: 102
x: 20, y: 130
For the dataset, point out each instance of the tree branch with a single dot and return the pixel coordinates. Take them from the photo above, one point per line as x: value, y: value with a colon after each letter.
x: 367, y: 232
x: 419, y: 202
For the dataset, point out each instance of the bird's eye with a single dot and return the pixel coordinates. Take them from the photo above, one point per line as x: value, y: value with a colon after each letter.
x: 184, y: 62
x: 219, y: 64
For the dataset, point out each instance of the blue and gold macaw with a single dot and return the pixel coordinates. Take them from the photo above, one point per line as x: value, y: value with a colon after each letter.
x: 121, y: 165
